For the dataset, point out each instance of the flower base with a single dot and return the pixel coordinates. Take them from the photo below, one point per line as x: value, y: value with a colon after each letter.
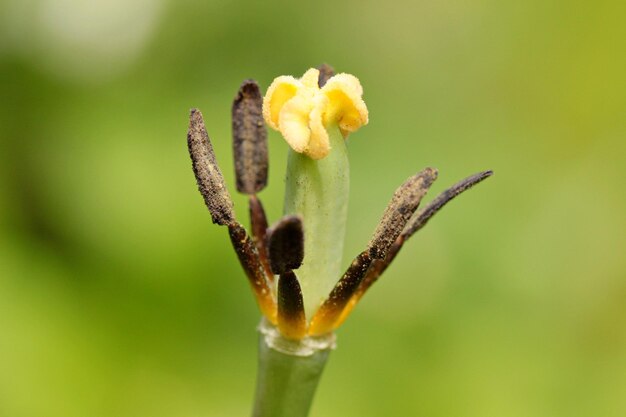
x: 289, y: 372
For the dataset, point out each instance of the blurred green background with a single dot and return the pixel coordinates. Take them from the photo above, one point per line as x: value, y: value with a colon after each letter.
x: 118, y: 297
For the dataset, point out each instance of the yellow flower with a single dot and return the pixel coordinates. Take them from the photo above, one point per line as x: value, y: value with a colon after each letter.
x: 303, y: 112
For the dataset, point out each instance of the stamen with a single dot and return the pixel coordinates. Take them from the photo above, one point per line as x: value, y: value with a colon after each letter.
x: 423, y: 215
x: 208, y: 175
x: 418, y: 221
x: 251, y: 160
x: 249, y: 139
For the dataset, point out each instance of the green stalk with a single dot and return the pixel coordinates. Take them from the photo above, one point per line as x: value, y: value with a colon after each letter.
x: 318, y: 191
x: 289, y: 373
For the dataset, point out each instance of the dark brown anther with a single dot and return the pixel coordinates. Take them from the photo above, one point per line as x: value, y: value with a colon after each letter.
x: 327, y: 316
x: 326, y: 71
x: 249, y: 139
x: 286, y: 245
x: 291, y: 317
x: 422, y: 216
x: 418, y: 221
x: 208, y: 175
x: 399, y: 211
x: 251, y: 264
x: 258, y: 223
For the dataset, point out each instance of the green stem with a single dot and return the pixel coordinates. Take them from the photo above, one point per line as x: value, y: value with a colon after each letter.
x: 289, y: 373
x: 318, y: 191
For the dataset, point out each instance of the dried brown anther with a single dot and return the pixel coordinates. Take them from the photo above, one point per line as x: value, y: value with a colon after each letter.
x: 249, y: 139
x: 208, y: 175
x: 405, y: 201
x: 423, y: 215
x: 216, y: 197
x: 251, y: 159
x: 326, y: 72
x: 286, y: 244
x: 418, y: 221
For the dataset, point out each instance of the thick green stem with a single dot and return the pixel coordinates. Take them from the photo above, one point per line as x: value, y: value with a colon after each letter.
x: 288, y: 373
x: 318, y: 191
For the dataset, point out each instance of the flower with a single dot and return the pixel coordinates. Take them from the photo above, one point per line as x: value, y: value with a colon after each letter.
x: 285, y: 263
x: 303, y: 112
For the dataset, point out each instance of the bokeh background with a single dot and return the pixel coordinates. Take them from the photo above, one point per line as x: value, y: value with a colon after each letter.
x: 118, y: 297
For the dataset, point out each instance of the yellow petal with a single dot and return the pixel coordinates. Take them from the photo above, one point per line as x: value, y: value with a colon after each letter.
x: 319, y: 144
x: 279, y: 92
x: 345, y: 105
x: 294, y: 122
x: 310, y: 79
x: 302, y: 111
